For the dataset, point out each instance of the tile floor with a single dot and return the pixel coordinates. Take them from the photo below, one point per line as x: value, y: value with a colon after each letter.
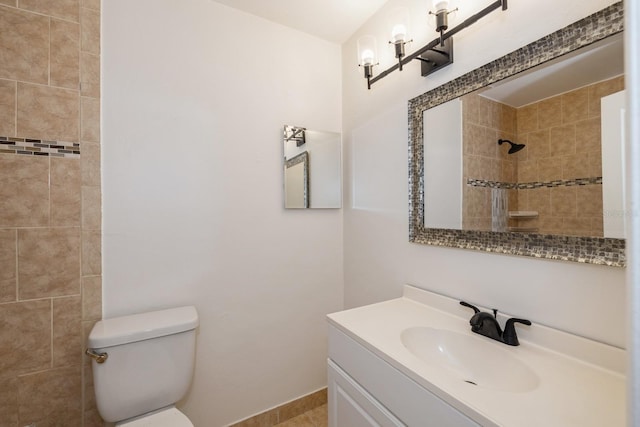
x: 316, y: 417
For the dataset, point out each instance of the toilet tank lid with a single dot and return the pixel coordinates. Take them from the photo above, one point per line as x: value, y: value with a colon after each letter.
x: 143, y: 326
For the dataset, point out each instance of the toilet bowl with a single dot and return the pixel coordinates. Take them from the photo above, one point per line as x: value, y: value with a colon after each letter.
x: 143, y: 365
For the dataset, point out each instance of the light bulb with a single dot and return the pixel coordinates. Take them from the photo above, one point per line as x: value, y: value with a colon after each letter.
x: 439, y: 5
x: 367, y: 51
x: 399, y: 33
x: 367, y: 57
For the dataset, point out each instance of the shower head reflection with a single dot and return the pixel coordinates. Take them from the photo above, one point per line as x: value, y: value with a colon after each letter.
x: 514, y: 147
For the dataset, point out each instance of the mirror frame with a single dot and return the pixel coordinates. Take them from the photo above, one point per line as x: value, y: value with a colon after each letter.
x: 304, y: 159
x: 594, y: 250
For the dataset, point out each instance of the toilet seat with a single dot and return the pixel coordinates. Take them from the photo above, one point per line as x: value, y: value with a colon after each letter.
x: 170, y: 417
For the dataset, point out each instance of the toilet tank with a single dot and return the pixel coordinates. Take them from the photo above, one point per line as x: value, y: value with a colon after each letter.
x: 150, y: 361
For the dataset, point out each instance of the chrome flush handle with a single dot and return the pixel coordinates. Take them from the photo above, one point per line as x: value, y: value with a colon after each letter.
x: 98, y: 357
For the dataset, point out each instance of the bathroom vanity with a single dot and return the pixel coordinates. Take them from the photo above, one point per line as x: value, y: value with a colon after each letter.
x: 413, y: 361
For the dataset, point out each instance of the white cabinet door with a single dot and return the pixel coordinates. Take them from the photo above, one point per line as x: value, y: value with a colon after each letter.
x: 407, y: 402
x: 351, y: 406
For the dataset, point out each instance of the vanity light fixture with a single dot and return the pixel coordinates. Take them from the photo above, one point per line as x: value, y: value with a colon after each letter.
x: 434, y: 55
x: 295, y: 134
x: 367, y: 56
x: 442, y: 13
x: 400, y: 33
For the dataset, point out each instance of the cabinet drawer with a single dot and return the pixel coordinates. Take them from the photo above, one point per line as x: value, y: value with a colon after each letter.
x: 407, y: 400
x: 351, y: 406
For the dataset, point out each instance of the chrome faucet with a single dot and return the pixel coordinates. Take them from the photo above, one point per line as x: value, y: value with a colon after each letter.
x: 484, y: 323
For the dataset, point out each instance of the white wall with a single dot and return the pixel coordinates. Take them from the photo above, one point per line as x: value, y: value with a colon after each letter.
x: 442, y: 134
x: 632, y: 68
x: 584, y: 299
x: 195, y: 98
x: 612, y: 113
x: 325, y: 168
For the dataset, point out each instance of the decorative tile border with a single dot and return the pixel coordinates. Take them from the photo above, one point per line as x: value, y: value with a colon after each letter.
x: 594, y: 250
x: 300, y: 158
x: 535, y: 184
x: 39, y: 147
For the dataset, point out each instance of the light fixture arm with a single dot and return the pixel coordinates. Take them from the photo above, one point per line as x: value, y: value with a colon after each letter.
x: 442, y: 21
x: 399, y: 49
x: 439, y: 41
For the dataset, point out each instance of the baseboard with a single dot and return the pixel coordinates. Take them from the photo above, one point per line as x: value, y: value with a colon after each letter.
x: 286, y: 411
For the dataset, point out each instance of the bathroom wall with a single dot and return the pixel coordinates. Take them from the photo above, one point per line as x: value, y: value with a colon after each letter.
x: 484, y: 122
x: 562, y: 135
x: 559, y: 170
x: 195, y: 98
x: 50, y: 266
x: 379, y: 259
x: 443, y: 186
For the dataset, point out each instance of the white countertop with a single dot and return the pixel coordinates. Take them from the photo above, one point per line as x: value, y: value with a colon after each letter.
x: 581, y: 382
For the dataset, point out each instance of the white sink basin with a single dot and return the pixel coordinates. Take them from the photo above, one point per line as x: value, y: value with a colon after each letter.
x: 552, y: 379
x: 478, y: 361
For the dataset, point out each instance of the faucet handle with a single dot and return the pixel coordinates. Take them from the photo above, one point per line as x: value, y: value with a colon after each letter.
x: 466, y: 304
x: 509, y: 335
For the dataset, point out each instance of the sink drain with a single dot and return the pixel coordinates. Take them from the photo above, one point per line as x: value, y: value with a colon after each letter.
x: 470, y: 382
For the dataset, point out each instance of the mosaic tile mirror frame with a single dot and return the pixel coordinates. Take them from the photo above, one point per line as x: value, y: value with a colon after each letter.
x: 594, y: 250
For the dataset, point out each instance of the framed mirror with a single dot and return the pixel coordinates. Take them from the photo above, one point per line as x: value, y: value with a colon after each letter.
x: 312, y: 168
x: 496, y: 170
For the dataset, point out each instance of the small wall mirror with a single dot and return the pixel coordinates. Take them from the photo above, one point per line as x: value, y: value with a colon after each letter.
x: 312, y: 168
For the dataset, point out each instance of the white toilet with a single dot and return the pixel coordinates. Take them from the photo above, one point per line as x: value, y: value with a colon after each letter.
x: 142, y: 365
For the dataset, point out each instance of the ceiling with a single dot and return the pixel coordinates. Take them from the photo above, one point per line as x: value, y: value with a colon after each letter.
x: 597, y: 62
x: 332, y: 20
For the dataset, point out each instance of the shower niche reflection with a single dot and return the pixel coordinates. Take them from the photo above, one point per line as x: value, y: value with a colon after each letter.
x: 533, y: 154
x: 312, y: 168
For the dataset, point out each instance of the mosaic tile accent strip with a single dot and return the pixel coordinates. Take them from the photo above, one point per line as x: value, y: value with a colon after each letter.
x: 300, y: 158
x: 607, y: 22
x: 536, y: 184
x: 39, y: 147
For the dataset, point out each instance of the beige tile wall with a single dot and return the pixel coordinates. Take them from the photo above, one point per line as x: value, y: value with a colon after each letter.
x: 484, y: 122
x: 562, y: 138
x: 562, y: 135
x: 50, y: 212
